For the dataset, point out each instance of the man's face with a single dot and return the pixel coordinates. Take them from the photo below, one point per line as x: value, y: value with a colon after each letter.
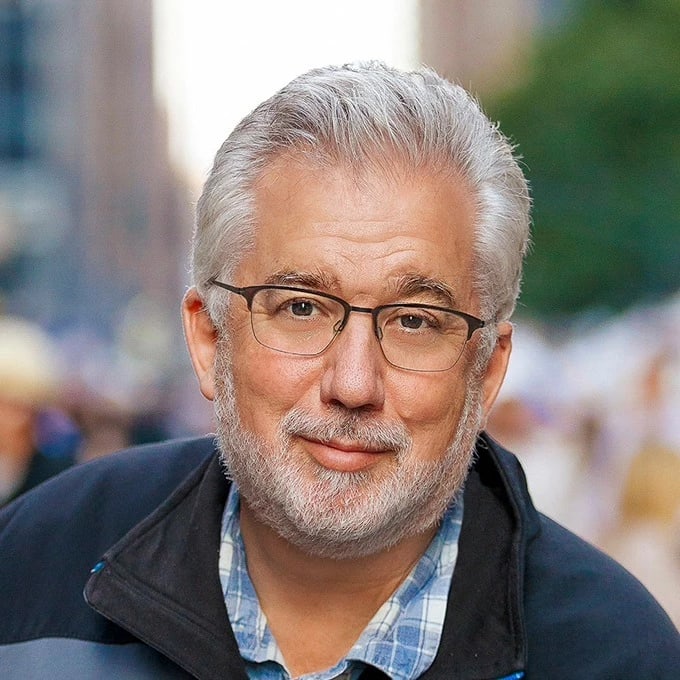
x: 342, y: 453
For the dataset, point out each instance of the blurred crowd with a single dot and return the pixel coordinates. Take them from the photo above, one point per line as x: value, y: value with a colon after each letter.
x: 592, y: 410
x: 74, y: 398
x: 593, y: 413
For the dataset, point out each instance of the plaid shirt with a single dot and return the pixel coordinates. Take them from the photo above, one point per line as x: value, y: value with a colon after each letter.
x: 401, y: 639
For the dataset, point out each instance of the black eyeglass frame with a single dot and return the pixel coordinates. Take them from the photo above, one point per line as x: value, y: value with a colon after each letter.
x: 249, y: 292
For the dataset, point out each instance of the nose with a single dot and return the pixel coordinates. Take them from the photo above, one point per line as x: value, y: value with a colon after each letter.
x: 354, y: 367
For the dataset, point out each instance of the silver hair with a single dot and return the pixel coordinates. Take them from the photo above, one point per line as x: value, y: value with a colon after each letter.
x: 369, y: 115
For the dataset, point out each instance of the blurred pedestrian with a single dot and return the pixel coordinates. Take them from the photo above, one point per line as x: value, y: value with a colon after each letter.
x: 28, y: 385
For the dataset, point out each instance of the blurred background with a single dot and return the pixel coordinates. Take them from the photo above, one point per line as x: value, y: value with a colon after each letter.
x: 111, y: 111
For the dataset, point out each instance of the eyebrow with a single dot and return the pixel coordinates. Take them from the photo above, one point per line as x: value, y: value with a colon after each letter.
x: 414, y: 285
x: 317, y: 280
x: 406, y: 286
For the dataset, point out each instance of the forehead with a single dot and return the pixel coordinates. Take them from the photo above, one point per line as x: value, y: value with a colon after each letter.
x: 361, y: 230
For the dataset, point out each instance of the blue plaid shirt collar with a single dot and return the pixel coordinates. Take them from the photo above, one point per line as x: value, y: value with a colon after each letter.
x: 402, y: 638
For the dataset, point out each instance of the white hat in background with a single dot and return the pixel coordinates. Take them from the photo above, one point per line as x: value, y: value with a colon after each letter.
x: 29, y: 366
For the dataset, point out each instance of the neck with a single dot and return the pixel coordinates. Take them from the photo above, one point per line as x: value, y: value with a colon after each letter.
x: 317, y: 607
x: 16, y: 445
x: 16, y: 452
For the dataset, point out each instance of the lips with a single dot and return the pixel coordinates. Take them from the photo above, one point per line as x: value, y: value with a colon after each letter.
x: 343, y: 456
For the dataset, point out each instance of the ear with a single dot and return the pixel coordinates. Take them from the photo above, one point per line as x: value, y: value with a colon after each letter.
x: 498, y: 365
x: 201, y: 339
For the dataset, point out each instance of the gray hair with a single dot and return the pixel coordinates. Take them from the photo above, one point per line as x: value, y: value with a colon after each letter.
x: 370, y: 115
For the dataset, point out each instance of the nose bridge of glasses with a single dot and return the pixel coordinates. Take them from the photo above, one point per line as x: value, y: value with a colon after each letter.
x: 373, y: 311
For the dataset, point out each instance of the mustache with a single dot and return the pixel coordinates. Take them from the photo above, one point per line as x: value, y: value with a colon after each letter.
x: 347, y: 426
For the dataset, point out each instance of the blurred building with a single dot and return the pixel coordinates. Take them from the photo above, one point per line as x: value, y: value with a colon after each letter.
x: 92, y: 215
x: 481, y: 45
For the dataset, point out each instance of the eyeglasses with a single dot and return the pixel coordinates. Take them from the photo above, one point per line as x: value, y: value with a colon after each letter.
x: 415, y: 337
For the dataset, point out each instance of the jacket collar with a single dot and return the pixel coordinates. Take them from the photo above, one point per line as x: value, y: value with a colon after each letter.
x: 161, y: 581
x: 484, y: 634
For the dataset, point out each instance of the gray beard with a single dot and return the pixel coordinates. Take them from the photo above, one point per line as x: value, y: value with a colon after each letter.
x: 332, y: 514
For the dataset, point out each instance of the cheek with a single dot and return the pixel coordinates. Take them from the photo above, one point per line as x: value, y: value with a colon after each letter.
x: 268, y: 384
x: 432, y: 416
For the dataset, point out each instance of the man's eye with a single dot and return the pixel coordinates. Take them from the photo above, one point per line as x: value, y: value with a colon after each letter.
x: 421, y: 321
x: 301, y: 307
x: 412, y: 322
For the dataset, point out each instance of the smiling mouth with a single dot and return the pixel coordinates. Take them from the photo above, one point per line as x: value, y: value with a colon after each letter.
x: 344, y: 456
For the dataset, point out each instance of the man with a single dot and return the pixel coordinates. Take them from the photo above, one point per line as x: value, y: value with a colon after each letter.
x: 356, y: 259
